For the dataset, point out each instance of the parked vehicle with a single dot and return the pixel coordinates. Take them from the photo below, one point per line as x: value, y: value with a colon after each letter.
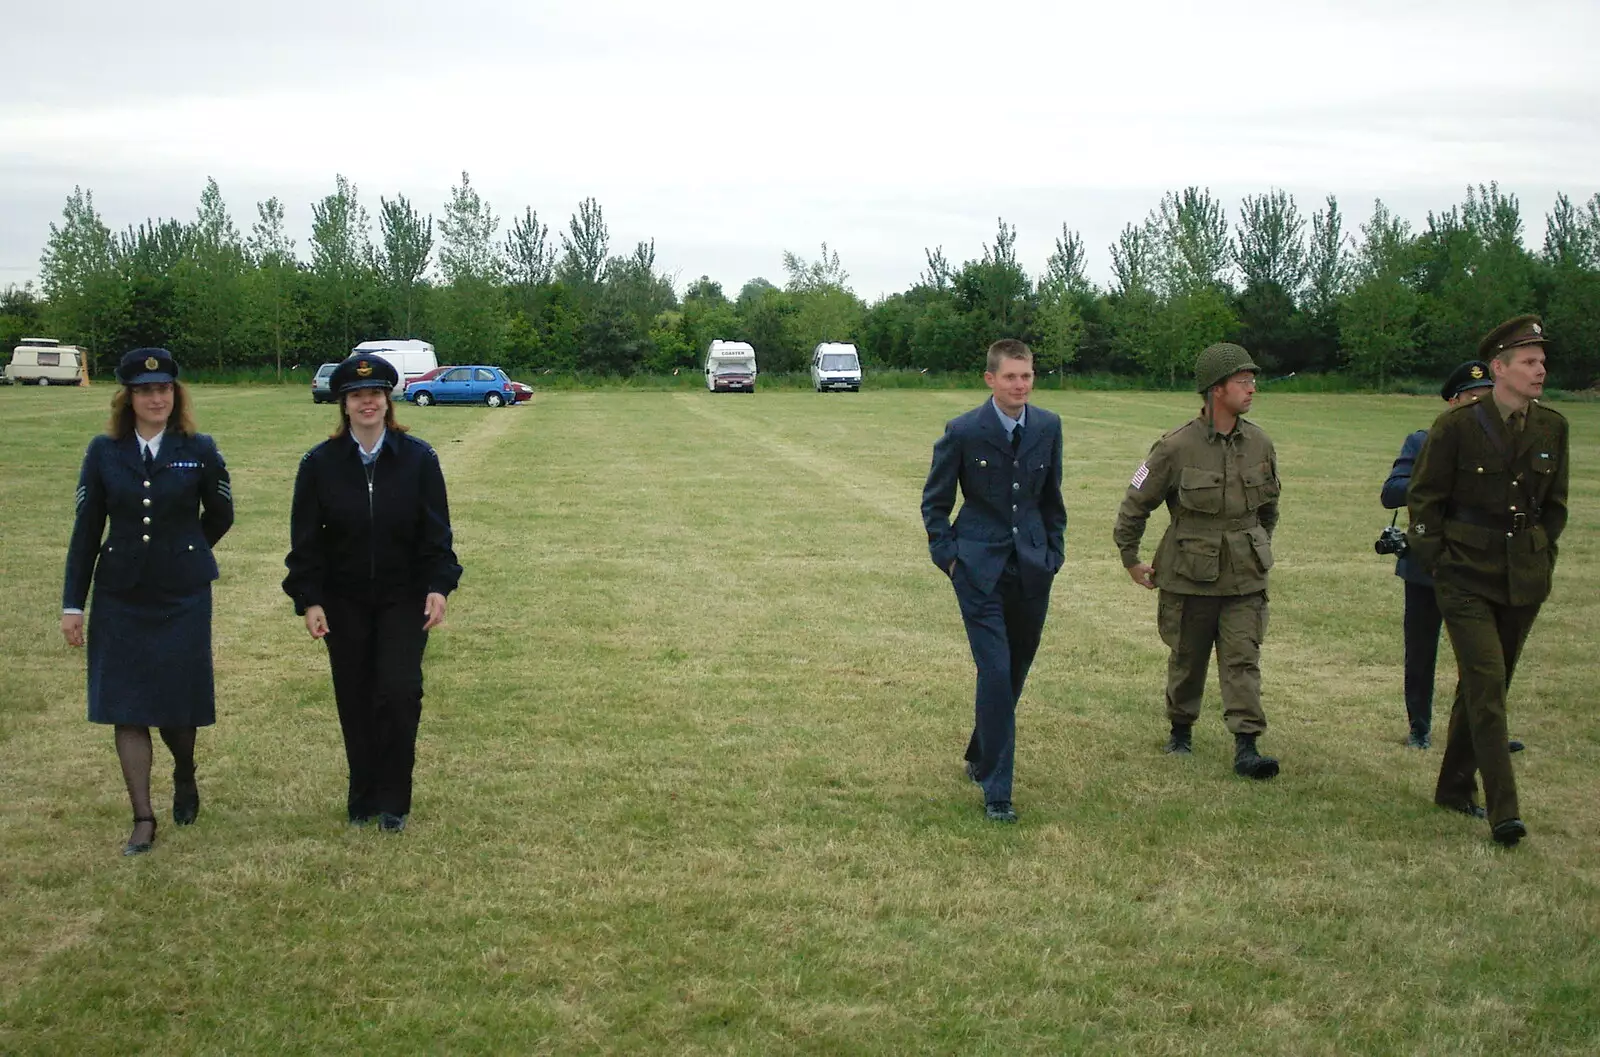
x: 321, y: 392
x: 410, y: 357
x: 521, y: 390
x: 835, y: 365
x: 474, y: 384
x: 730, y: 367
x: 45, y: 361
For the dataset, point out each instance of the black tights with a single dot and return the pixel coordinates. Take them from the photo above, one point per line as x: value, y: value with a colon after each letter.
x: 134, y: 753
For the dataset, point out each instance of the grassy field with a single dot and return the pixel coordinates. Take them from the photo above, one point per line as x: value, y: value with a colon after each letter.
x: 690, y: 780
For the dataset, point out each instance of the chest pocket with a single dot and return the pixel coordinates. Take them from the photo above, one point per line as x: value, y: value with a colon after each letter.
x: 1480, y: 479
x: 1200, y: 490
x: 1260, y: 485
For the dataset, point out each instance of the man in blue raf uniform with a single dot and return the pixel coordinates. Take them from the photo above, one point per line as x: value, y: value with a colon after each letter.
x: 1422, y: 620
x: 1002, y: 551
x: 1488, y: 502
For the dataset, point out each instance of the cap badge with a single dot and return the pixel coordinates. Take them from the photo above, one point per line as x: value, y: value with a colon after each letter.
x: 151, y: 363
x: 1536, y: 328
x: 1476, y: 372
x: 363, y: 368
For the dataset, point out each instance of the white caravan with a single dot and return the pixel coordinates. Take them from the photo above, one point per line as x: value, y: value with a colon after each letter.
x: 731, y: 367
x: 45, y: 361
x: 835, y: 365
x: 412, y: 358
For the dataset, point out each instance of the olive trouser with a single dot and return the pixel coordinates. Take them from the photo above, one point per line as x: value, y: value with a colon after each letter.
x: 1193, y: 626
x: 1487, y: 638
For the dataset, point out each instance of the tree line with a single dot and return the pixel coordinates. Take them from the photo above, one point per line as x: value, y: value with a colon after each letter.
x: 1302, y: 293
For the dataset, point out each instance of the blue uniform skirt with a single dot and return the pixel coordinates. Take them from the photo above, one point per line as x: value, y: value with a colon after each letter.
x: 150, y: 659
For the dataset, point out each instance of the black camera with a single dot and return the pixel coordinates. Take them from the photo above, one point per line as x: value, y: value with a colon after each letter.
x: 1392, y: 540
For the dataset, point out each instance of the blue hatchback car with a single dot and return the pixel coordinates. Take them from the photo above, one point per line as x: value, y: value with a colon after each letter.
x: 474, y: 384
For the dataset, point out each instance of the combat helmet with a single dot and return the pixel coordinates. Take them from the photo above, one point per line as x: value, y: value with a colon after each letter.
x: 1220, y: 362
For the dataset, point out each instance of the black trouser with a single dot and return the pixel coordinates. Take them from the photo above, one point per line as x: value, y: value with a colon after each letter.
x: 375, y: 651
x: 1422, y: 622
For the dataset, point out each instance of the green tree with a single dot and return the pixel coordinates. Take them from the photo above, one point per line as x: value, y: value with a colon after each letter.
x: 1572, y: 312
x: 824, y: 273
x: 1189, y: 233
x: 529, y: 260
x: 1377, y: 319
x: 994, y: 290
x: 272, y: 312
x: 1270, y: 253
x: 83, y: 289
x: 471, y: 316
x: 21, y: 314
x: 210, y: 280
x: 584, y: 249
x: 403, y: 259
x: 342, y: 264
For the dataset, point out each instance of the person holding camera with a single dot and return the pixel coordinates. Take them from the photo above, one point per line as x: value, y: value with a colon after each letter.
x: 1488, y: 503
x: 1422, y: 621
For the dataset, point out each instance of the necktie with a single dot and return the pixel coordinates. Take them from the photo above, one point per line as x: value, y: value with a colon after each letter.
x: 1516, y: 422
x: 1016, y: 438
x: 149, y: 462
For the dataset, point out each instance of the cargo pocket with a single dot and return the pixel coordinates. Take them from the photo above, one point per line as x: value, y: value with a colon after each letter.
x: 1200, y: 490
x: 1260, y: 487
x: 1199, y: 559
x: 1261, y: 543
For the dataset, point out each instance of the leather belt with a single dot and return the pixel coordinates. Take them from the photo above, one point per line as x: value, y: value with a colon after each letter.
x: 1508, y: 522
x: 1219, y: 524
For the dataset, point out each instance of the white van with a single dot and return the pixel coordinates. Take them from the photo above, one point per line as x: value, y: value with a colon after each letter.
x: 412, y: 358
x: 45, y: 361
x: 731, y: 367
x: 835, y: 365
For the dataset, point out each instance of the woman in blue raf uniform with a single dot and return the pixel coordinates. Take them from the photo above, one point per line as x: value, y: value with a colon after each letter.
x: 370, y: 564
x: 165, y: 490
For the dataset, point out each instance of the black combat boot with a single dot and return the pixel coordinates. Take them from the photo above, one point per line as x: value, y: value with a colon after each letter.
x: 1247, y: 762
x: 1179, y: 742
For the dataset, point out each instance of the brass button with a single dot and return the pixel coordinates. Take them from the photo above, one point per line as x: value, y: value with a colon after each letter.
x: 145, y: 538
x: 1015, y: 486
x: 191, y: 546
x: 147, y: 502
x: 147, y: 484
x: 1480, y: 469
x: 983, y: 464
x: 147, y: 520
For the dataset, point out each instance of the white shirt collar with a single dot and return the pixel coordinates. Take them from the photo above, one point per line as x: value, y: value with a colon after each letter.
x: 153, y: 445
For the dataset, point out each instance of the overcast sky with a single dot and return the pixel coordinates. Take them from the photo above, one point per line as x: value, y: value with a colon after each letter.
x: 730, y: 132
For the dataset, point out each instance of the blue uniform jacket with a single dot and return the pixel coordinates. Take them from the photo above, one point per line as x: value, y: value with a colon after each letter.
x: 1009, y: 502
x: 159, y: 536
x: 1394, y: 498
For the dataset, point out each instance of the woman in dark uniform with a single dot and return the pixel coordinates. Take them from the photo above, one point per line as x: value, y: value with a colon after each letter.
x: 370, y: 564
x: 166, y: 492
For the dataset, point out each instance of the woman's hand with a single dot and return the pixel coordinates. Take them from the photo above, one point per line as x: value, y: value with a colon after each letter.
x: 72, y: 628
x: 316, y: 621
x: 433, y: 611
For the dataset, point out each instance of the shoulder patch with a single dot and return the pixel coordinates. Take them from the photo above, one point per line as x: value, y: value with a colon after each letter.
x: 1140, y: 475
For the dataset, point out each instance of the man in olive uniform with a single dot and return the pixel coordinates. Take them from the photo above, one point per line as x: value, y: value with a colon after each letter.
x: 1488, y: 501
x: 1218, y: 476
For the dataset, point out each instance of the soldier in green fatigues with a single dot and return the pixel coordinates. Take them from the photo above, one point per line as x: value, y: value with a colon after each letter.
x: 1218, y: 476
x: 1488, y: 500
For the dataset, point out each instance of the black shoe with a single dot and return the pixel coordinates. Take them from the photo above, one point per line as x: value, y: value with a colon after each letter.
x: 134, y: 847
x: 1467, y: 809
x: 185, y: 801
x: 1515, y: 746
x: 361, y: 820
x: 1509, y: 832
x: 1248, y: 763
x: 972, y: 773
x: 999, y: 811
x: 1419, y: 741
x: 391, y: 823
x: 1179, y: 742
